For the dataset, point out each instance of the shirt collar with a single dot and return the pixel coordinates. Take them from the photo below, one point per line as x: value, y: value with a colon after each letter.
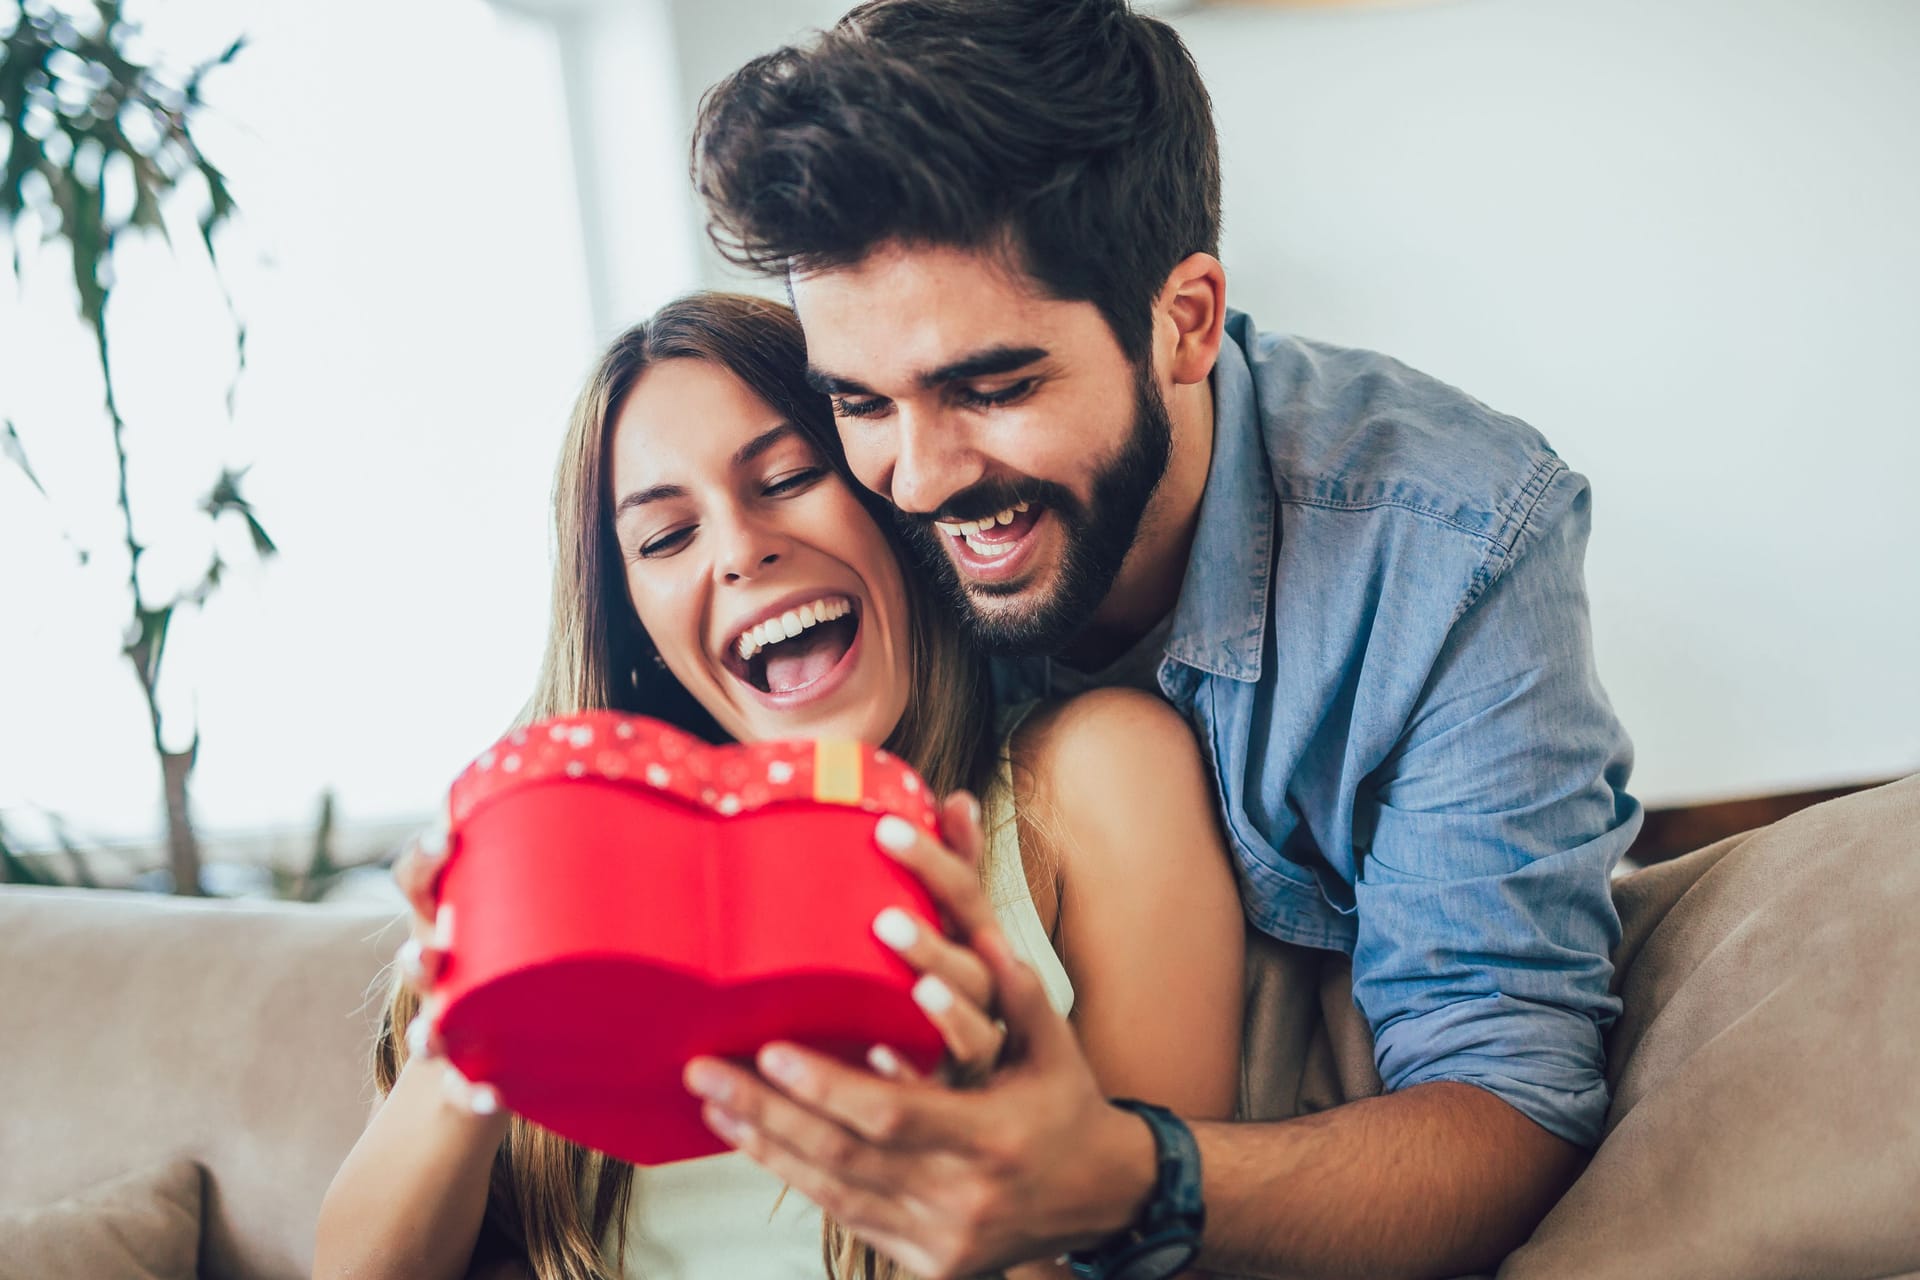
x: 1220, y: 622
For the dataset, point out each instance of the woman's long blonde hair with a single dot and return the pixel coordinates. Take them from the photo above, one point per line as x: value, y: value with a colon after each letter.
x: 598, y: 656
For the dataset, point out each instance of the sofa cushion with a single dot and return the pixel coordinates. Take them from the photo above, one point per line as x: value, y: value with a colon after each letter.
x: 139, y: 1226
x: 141, y: 1029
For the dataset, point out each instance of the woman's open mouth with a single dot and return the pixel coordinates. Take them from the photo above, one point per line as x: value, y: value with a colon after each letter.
x: 799, y: 653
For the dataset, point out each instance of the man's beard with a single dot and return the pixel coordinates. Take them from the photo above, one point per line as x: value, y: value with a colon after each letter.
x: 1097, y: 537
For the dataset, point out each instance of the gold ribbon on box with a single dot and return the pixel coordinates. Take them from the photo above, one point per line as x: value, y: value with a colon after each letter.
x: 836, y: 772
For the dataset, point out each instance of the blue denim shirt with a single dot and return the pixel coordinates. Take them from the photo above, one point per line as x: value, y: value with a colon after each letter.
x: 1382, y: 642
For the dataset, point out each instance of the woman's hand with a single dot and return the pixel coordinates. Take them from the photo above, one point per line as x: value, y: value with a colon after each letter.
x: 421, y: 957
x: 955, y: 989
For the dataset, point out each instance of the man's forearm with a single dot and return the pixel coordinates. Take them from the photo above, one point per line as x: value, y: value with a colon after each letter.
x: 1437, y: 1180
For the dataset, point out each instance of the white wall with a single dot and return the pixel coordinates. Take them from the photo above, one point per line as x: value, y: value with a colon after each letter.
x: 409, y: 263
x: 1677, y: 236
x: 1674, y: 235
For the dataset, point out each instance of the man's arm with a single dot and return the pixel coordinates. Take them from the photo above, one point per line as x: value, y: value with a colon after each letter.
x: 1486, y: 840
x: 1439, y: 1179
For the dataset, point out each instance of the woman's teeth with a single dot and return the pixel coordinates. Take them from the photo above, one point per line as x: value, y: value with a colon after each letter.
x: 969, y: 529
x: 789, y: 624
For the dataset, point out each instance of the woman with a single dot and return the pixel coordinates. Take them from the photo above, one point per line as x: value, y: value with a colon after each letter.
x: 719, y: 568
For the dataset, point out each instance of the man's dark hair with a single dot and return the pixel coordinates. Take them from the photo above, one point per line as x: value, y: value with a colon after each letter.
x: 1074, y: 135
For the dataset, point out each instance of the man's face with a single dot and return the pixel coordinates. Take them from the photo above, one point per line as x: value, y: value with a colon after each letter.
x: 1009, y: 430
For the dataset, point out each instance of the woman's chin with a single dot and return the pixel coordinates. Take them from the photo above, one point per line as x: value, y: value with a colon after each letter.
x: 853, y: 717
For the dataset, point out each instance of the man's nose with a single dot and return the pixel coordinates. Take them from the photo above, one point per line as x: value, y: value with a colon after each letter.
x: 936, y: 461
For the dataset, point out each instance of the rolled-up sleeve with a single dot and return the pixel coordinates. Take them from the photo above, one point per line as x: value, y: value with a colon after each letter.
x: 1485, y: 916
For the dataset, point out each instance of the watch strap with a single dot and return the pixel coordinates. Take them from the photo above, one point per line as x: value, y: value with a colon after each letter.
x: 1165, y: 1236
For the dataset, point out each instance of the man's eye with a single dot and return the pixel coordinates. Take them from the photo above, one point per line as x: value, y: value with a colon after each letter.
x: 794, y: 482
x: 992, y: 399
x: 664, y: 544
x: 848, y: 407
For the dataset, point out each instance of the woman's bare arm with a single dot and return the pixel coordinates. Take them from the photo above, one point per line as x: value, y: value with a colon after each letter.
x: 1114, y: 794
x: 409, y: 1200
x: 1130, y: 875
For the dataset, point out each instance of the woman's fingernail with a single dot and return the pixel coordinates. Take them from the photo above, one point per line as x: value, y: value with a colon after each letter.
x: 895, y: 834
x: 484, y: 1100
x: 724, y: 1123
x: 884, y: 1061
x: 462, y: 1094
x: 973, y: 809
x: 709, y: 1083
x: 418, y: 1032
x: 433, y: 841
x: 408, y: 958
x: 933, y: 995
x: 896, y: 928
x: 782, y: 1066
x: 443, y: 927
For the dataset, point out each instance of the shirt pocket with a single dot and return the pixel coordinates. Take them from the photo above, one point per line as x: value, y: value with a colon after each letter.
x: 1222, y: 726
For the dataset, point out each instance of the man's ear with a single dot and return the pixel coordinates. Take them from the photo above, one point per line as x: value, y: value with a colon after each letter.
x: 1191, y: 314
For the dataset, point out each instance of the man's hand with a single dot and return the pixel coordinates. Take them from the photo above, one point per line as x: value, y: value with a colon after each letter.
x: 949, y: 1182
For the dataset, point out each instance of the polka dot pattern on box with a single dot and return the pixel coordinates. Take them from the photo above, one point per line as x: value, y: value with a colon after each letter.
x: 635, y: 751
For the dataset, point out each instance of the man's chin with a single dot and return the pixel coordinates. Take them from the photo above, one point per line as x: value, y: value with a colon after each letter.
x: 1015, y: 619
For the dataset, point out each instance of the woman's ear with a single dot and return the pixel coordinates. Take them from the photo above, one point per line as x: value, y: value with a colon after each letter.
x: 1192, y: 316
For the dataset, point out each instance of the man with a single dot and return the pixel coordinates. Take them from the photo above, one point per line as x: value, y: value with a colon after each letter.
x: 999, y: 224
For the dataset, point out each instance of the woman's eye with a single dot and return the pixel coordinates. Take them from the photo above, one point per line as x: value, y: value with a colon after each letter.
x: 665, y: 543
x: 992, y: 399
x: 793, y: 482
x: 847, y: 407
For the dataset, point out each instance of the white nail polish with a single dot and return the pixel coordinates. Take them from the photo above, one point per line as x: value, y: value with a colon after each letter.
x: 418, y: 1032
x: 933, y: 995
x: 454, y: 1088
x: 433, y: 841
x: 408, y: 958
x: 484, y: 1100
x: 443, y: 927
x: 896, y: 928
x: 895, y: 833
x: 883, y: 1060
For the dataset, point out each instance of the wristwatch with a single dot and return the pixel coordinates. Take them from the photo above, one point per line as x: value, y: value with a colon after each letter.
x: 1165, y: 1236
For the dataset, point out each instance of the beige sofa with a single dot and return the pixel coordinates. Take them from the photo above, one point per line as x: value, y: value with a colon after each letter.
x: 1773, y: 983
x: 137, y: 1030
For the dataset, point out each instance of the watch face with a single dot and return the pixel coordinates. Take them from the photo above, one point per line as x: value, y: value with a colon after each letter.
x: 1157, y: 1262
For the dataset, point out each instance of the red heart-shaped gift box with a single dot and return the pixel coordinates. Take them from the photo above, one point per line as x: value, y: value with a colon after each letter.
x: 620, y: 897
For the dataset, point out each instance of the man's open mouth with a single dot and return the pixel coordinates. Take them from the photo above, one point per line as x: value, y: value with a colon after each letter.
x: 791, y: 651
x: 996, y: 535
x: 994, y: 547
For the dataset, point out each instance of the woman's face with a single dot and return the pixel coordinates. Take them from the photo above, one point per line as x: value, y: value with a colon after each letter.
x: 771, y: 593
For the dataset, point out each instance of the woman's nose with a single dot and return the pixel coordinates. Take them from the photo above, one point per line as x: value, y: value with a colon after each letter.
x: 751, y: 549
x: 740, y: 570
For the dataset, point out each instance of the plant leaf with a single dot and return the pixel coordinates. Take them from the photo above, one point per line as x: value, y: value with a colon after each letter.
x: 148, y: 642
x: 226, y: 497
x: 17, y: 453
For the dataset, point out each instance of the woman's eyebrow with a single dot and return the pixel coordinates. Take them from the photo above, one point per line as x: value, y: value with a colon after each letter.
x: 761, y: 443
x: 641, y: 497
x: 745, y: 454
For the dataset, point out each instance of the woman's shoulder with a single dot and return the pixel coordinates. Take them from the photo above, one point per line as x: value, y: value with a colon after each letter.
x: 1091, y: 771
x: 1100, y: 736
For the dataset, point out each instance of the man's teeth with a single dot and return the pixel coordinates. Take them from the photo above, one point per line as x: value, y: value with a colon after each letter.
x: 789, y: 624
x: 967, y: 528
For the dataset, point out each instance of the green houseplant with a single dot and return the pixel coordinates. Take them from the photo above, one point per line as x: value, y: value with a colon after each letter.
x: 99, y: 145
